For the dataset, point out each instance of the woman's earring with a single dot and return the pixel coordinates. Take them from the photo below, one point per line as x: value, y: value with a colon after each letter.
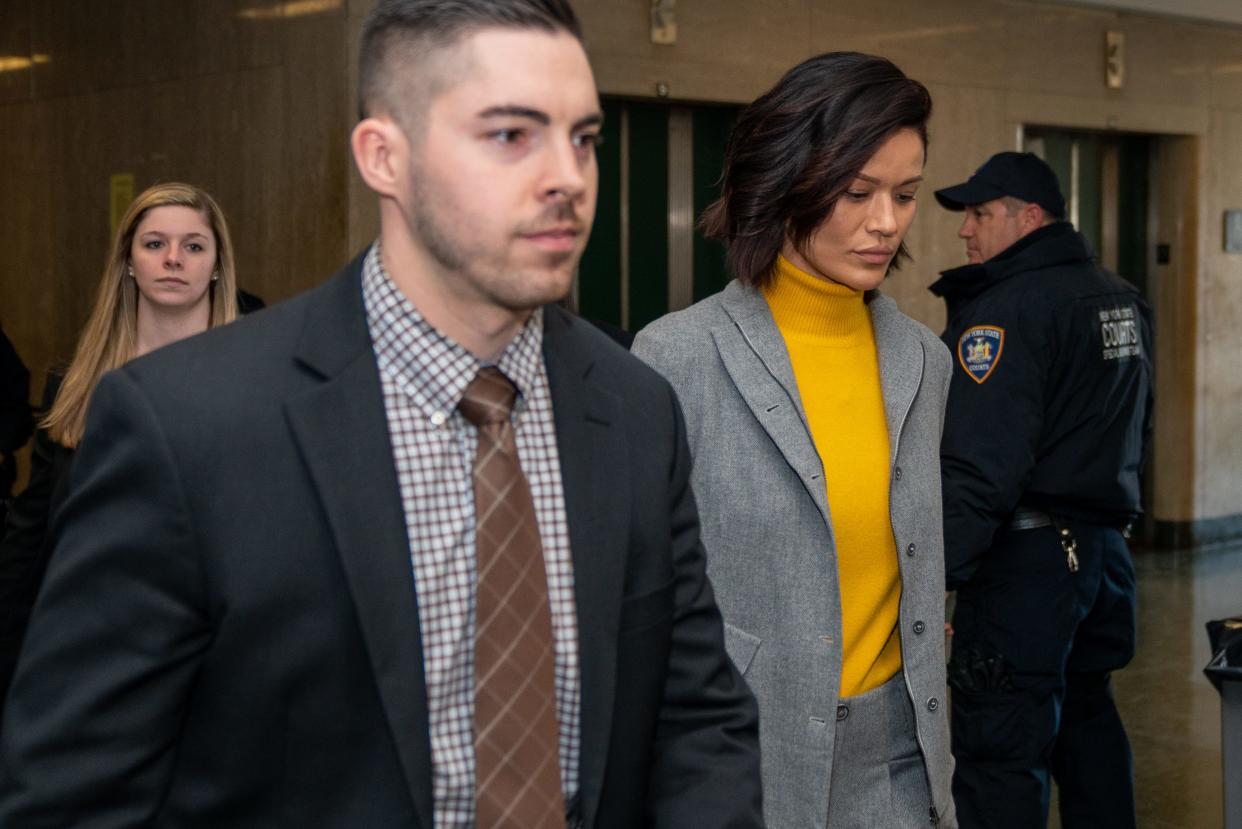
x: 215, y: 277
x: 130, y: 268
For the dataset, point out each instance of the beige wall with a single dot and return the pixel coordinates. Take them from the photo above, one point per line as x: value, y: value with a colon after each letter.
x: 254, y: 103
x: 993, y: 66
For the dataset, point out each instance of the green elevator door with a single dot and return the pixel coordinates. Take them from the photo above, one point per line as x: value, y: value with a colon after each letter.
x: 1104, y: 177
x: 659, y: 168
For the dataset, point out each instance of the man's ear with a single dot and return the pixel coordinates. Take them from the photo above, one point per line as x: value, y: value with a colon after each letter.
x: 1032, y: 217
x: 382, y: 154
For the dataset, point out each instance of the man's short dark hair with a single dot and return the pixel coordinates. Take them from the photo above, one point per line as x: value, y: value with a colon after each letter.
x: 418, y: 27
x: 799, y: 146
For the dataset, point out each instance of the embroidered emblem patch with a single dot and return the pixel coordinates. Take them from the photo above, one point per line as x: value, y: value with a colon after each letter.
x: 979, y: 350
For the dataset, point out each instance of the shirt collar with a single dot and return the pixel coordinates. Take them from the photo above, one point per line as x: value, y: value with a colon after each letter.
x: 428, y: 366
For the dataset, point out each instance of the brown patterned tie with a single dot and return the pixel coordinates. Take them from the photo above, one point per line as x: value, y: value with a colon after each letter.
x: 516, y: 736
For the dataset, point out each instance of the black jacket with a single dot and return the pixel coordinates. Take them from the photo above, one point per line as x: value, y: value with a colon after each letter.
x: 24, y: 546
x: 1050, y: 403
x: 15, y: 423
x: 228, y: 633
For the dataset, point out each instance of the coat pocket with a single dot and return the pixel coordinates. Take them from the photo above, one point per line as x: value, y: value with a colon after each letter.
x: 741, y: 647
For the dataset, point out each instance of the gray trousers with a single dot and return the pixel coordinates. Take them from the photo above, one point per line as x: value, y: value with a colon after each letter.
x: 878, y: 774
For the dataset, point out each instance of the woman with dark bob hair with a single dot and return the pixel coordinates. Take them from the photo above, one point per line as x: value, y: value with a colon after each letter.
x: 813, y: 409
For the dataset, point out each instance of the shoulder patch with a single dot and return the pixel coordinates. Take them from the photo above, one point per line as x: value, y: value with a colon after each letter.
x: 1119, y: 332
x: 979, y: 350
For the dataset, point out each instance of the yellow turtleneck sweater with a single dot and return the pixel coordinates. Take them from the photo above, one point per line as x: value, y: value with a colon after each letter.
x: 827, y: 330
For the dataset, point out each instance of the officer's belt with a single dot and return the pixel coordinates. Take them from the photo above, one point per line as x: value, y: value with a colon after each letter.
x: 1029, y: 519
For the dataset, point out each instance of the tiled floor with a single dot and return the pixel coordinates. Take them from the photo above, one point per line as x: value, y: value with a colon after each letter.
x: 1171, y: 711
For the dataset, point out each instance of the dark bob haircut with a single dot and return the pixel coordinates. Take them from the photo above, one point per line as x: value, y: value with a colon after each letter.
x: 799, y: 146
x: 425, y: 25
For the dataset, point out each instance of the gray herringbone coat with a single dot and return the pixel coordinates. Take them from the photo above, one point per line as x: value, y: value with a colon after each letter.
x: 766, y: 525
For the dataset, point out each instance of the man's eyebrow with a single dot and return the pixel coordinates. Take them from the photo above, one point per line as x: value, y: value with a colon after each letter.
x: 871, y: 180
x: 538, y: 116
x: 510, y: 111
x: 595, y: 119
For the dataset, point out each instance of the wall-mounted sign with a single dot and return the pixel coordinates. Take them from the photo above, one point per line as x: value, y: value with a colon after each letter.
x: 1233, y: 231
x: 664, y: 22
x: 1114, y: 59
x: 120, y: 196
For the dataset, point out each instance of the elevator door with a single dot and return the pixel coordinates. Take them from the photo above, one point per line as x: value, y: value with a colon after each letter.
x: 1105, y: 178
x: 659, y: 167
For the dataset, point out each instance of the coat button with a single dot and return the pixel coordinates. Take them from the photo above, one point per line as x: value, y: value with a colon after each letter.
x: 919, y: 627
x: 843, y: 711
x: 933, y: 704
x: 910, y: 549
x: 897, y: 473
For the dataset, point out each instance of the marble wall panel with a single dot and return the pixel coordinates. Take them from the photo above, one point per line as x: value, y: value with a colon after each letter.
x: 1177, y: 185
x: 15, y: 51
x: 967, y: 126
x: 1220, y: 334
x: 1221, y: 52
x: 95, y: 46
x: 941, y: 41
x: 1165, y: 61
x: 28, y: 305
x: 362, y: 212
x: 314, y: 178
x: 719, y: 55
x: 708, y: 33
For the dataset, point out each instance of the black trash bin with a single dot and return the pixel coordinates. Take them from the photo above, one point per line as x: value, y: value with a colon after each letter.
x: 1225, y: 671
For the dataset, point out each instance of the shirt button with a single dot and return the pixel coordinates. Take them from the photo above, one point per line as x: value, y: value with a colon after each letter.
x: 843, y: 711
x: 919, y: 627
x: 933, y: 704
x: 897, y: 473
x: 911, y: 549
x: 438, y: 418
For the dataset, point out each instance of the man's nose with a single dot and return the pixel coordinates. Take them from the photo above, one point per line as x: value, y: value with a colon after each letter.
x: 564, y: 177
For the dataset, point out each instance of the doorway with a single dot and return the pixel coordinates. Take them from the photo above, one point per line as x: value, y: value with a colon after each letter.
x: 1112, y: 182
x: 659, y: 168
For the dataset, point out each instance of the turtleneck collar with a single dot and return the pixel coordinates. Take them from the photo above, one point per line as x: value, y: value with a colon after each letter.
x: 810, y: 308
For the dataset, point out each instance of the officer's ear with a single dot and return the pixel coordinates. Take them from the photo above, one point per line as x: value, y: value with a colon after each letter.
x: 1032, y: 217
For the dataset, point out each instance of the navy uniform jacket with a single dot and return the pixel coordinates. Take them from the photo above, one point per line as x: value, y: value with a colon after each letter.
x: 1050, y: 402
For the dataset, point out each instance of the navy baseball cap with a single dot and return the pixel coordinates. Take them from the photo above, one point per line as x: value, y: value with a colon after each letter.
x: 1024, y: 176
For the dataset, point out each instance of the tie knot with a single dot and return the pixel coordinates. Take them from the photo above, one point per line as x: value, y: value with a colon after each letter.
x: 488, y: 398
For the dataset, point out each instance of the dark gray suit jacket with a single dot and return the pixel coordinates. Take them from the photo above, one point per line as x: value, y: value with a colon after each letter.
x: 228, y: 632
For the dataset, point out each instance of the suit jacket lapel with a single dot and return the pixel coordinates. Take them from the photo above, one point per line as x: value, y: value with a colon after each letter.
x: 754, y: 354
x: 595, y: 476
x: 901, y: 364
x: 342, y: 430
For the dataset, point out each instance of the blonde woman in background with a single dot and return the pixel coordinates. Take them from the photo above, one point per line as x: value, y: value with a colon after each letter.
x: 169, y: 275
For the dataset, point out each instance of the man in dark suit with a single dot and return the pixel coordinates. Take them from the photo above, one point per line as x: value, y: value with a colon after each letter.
x: 261, y: 609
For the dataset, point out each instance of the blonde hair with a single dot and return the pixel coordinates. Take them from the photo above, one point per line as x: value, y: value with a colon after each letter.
x: 110, y: 336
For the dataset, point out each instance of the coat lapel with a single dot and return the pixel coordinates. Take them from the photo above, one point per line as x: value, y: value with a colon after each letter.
x: 595, y: 477
x: 901, y: 364
x: 754, y: 354
x: 342, y: 430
